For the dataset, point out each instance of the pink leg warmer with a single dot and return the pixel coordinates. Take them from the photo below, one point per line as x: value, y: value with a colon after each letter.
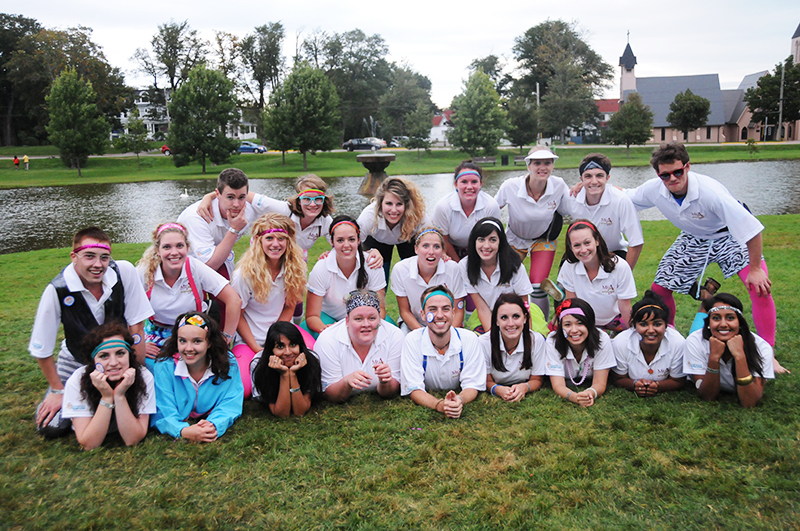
x: 763, y: 308
x: 669, y: 300
x: 541, y: 264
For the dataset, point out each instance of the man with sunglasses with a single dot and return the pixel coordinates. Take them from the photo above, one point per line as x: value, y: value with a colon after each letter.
x: 91, y: 291
x: 715, y: 227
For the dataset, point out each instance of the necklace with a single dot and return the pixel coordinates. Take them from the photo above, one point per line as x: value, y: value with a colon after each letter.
x: 582, y: 368
x: 443, y: 349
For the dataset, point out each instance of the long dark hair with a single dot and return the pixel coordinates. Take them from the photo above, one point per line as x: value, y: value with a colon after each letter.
x: 592, y: 343
x: 751, y: 352
x: 362, y: 278
x: 217, y: 352
x: 650, y: 305
x: 495, y: 335
x: 89, y: 392
x: 268, y: 380
x: 507, y: 259
x: 608, y: 261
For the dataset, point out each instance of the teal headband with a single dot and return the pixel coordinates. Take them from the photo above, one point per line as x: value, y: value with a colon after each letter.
x: 428, y: 231
x: 112, y: 342
x: 435, y: 293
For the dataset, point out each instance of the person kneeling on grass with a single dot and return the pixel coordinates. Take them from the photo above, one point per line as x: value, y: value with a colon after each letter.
x: 579, y: 351
x: 287, y: 379
x: 112, y: 393
x: 440, y: 357
x: 726, y: 356
x: 197, y: 378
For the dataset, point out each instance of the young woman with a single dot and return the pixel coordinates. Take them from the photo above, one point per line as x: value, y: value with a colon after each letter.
x: 457, y: 212
x: 177, y: 283
x: 649, y: 354
x: 490, y: 269
x: 600, y: 278
x: 412, y: 276
x: 197, y: 378
x: 578, y: 351
x: 270, y: 279
x: 392, y: 219
x: 341, y: 272
x: 360, y: 353
x: 726, y: 356
x: 287, y: 378
x: 515, y: 355
x: 536, y: 203
x: 113, y: 393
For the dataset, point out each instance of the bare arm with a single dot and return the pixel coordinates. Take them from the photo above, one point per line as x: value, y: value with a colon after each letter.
x: 314, y: 313
x: 233, y: 308
x: 458, y: 314
x: 52, y: 404
x: 633, y: 255
x: 247, y: 335
x: 449, y: 249
x: 405, y: 313
x: 340, y: 391
x: 757, y: 278
x: 140, y: 348
x: 625, y: 309
x: 484, y: 312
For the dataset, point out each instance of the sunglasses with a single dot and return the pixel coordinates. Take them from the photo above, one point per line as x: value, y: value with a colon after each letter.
x: 677, y: 173
x: 317, y: 200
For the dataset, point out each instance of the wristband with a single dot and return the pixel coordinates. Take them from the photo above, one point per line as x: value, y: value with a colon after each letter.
x: 294, y: 390
x: 747, y: 380
x: 106, y: 404
x: 57, y: 391
x: 529, y: 386
x: 595, y: 392
x: 492, y: 390
x: 709, y: 370
x: 233, y: 231
x: 228, y: 337
x: 462, y: 400
x: 569, y: 395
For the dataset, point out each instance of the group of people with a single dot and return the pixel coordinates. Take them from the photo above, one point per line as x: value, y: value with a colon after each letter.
x: 180, y: 340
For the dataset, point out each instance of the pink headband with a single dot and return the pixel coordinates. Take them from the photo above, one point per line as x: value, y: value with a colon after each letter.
x: 268, y: 231
x: 92, y: 246
x: 166, y: 226
x: 316, y: 190
x: 347, y: 222
x: 572, y: 311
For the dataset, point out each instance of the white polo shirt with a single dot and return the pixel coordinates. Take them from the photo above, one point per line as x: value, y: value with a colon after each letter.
x: 326, y: 280
x: 48, y: 314
x: 75, y: 406
x: 338, y: 358
x: 490, y: 288
x: 170, y: 302
x: 512, y: 361
x: 707, y: 207
x: 695, y: 360
x: 603, y: 359
x: 529, y: 219
x: 604, y: 291
x: 667, y: 363
x: 614, y: 216
x: 407, y: 282
x: 442, y: 372
x: 380, y: 230
x: 449, y: 216
x: 260, y: 316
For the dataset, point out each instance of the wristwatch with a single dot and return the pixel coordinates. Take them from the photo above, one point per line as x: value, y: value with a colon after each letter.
x: 234, y: 231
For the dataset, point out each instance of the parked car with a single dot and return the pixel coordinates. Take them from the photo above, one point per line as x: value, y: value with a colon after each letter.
x: 378, y: 141
x: 165, y: 150
x: 398, y: 141
x: 251, y: 147
x: 362, y: 144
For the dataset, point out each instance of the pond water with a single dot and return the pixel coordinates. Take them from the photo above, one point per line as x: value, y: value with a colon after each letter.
x: 44, y: 218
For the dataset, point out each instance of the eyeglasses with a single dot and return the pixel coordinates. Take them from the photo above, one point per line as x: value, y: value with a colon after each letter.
x: 677, y: 173
x: 317, y: 200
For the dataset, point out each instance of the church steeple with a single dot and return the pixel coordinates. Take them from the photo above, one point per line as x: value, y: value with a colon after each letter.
x: 628, y: 60
x: 627, y: 79
x: 796, y: 45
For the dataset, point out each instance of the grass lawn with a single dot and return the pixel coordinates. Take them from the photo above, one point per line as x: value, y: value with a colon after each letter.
x: 51, y: 172
x: 669, y: 462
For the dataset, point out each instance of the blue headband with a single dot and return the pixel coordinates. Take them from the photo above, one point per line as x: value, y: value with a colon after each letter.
x: 434, y: 294
x: 468, y: 172
x: 112, y: 342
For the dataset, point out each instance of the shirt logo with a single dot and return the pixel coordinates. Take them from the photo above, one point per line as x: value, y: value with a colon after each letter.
x: 697, y: 215
x: 555, y: 366
x: 551, y: 205
x: 606, y: 221
x: 696, y: 366
x: 607, y: 290
x: 69, y: 300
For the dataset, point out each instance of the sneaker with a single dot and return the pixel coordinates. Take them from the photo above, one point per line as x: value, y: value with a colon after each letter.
x: 552, y: 289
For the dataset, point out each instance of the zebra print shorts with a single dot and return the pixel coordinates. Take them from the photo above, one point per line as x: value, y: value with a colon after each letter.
x: 683, y: 262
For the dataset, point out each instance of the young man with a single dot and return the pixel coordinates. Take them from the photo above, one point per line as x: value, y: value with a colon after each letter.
x: 609, y: 208
x: 91, y: 291
x: 715, y: 227
x: 441, y: 357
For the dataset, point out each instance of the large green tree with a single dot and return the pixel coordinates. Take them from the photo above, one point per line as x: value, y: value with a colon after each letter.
x: 176, y: 50
x: 523, y: 121
x: 688, y: 111
x: 568, y: 103
x: 632, y: 124
x: 407, y: 89
x: 277, y: 122
x: 764, y: 99
x: 479, y: 119
x: 493, y: 66
x: 261, y: 53
x: 418, y: 128
x: 13, y: 29
x: 76, y: 128
x: 201, y: 110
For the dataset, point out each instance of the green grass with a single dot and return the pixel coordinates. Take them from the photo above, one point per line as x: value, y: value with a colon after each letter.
x: 670, y: 462
x: 51, y: 172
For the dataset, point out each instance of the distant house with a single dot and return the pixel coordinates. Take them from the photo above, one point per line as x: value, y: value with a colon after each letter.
x: 441, y: 124
x: 606, y: 108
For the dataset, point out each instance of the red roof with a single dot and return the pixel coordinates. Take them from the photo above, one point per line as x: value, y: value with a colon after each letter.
x: 605, y: 106
x: 437, y: 120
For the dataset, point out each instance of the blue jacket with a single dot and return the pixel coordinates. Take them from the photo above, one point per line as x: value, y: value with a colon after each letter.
x: 176, y: 399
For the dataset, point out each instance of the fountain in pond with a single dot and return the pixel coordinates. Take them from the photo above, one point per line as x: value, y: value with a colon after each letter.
x: 376, y: 164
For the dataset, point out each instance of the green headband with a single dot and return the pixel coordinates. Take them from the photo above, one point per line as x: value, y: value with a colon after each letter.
x: 435, y: 293
x: 112, y: 342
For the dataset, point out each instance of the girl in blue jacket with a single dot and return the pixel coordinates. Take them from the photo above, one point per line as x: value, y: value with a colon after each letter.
x: 197, y: 378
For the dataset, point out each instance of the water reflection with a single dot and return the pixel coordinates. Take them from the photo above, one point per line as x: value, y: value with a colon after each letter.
x: 43, y: 218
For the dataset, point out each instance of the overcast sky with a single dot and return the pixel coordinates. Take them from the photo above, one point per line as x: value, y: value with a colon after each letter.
x: 440, y: 38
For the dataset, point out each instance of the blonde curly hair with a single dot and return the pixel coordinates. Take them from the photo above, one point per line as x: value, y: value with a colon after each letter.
x: 411, y: 197
x: 151, y: 260
x: 255, y: 268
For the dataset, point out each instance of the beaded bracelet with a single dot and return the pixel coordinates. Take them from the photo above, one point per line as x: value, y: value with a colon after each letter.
x: 709, y: 370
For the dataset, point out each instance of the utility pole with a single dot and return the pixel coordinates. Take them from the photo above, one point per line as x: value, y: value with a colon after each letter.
x: 780, y: 105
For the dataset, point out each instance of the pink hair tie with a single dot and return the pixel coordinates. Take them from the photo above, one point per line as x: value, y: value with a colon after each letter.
x: 166, y: 226
x: 571, y: 311
x: 93, y: 246
x: 268, y: 231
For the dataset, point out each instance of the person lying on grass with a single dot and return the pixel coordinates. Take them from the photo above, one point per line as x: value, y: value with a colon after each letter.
x: 197, y: 378
x: 579, y: 351
x: 287, y: 378
x: 649, y: 354
x: 440, y: 357
x: 112, y: 393
x: 515, y: 354
x: 726, y: 356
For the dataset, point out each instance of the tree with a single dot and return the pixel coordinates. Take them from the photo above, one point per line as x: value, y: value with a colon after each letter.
x: 261, y: 53
x: 523, y: 122
x: 407, y: 89
x: 568, y: 102
x: 479, y: 119
x: 13, y: 29
x: 76, y: 126
x: 492, y: 66
x: 632, y: 124
x: 226, y: 54
x: 201, y: 111
x: 688, y: 112
x: 418, y: 127
x: 177, y: 50
x: 135, y: 140
x: 763, y: 100
x: 277, y: 124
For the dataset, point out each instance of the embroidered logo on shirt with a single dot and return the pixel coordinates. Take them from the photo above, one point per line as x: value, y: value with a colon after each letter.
x: 555, y: 366
x: 607, y: 289
x: 697, y: 366
x: 69, y: 300
x: 606, y: 221
x: 697, y: 215
x: 551, y: 205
